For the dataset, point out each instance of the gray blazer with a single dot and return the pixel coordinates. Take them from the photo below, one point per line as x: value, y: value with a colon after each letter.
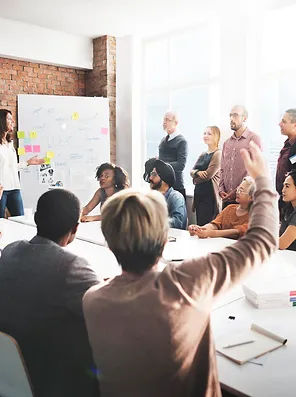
x: 41, y: 290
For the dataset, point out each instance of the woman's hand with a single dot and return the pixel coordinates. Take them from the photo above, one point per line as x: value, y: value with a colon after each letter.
x: 192, y: 229
x: 88, y: 218
x: 35, y: 161
x: 202, y: 174
x: 202, y: 232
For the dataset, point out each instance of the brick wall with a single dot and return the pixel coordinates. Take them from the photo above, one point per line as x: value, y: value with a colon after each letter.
x: 20, y: 77
x: 101, y: 81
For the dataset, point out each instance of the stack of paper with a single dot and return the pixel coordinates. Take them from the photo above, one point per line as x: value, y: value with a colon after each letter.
x: 271, y: 292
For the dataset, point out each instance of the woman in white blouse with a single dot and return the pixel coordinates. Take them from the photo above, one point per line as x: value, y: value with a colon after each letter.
x: 11, y: 197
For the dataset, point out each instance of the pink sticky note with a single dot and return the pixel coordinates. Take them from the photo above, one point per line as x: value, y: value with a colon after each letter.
x: 36, y: 148
x: 28, y: 148
x: 104, y: 130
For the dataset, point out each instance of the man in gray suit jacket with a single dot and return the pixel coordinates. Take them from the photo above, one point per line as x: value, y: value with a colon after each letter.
x: 41, y: 290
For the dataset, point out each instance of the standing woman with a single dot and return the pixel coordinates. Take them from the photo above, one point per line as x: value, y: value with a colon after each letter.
x: 11, y: 197
x: 288, y: 225
x: 206, y: 177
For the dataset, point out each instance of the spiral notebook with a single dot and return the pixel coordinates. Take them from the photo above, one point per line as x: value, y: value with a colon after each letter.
x: 244, y: 346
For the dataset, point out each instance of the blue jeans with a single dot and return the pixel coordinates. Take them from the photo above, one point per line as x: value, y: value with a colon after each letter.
x: 11, y: 199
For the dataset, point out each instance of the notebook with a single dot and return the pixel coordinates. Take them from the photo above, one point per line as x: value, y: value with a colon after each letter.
x: 244, y: 346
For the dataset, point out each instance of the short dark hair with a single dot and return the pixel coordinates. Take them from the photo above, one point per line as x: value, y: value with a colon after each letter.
x: 292, y: 114
x: 3, y: 125
x: 57, y: 213
x: 121, y: 180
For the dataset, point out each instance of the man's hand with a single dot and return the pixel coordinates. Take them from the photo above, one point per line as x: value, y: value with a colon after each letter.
x: 231, y: 196
x: 254, y: 163
x: 223, y: 195
x: 202, y: 232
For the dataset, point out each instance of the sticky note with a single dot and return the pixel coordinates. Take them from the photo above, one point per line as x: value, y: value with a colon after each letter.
x: 50, y: 155
x: 104, y: 130
x: 36, y: 148
x: 75, y: 116
x: 21, y: 151
x: 28, y: 148
x: 27, y: 141
x: 33, y: 134
x: 46, y: 160
x: 21, y: 134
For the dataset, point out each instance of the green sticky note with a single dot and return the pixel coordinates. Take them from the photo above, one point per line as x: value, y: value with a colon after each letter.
x: 75, y: 116
x: 46, y: 160
x: 33, y: 134
x: 21, y: 134
x: 21, y: 151
x: 50, y: 155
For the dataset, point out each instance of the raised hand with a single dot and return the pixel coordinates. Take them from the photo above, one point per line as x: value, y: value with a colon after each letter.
x: 254, y: 161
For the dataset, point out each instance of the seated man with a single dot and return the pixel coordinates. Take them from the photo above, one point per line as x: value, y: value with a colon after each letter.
x: 162, y: 177
x: 41, y: 290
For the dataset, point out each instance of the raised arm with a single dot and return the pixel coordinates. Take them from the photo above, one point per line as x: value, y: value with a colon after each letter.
x: 219, y: 271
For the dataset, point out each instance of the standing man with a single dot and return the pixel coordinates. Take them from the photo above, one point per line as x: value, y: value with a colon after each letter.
x: 173, y: 149
x: 232, y: 167
x: 286, y: 162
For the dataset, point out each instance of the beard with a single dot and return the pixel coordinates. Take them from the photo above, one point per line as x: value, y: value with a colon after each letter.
x: 235, y: 127
x: 155, y: 186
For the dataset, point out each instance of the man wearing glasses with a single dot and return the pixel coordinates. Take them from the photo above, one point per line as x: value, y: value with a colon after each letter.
x: 173, y: 149
x: 232, y: 166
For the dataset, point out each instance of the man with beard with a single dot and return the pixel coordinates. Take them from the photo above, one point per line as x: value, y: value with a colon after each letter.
x: 161, y: 177
x: 232, y: 167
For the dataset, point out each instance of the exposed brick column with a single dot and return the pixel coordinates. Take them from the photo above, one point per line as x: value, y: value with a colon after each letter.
x: 101, y: 81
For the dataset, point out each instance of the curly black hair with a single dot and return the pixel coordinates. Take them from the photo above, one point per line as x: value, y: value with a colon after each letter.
x: 121, y: 180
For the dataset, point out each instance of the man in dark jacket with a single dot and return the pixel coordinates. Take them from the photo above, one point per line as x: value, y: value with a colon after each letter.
x: 41, y: 290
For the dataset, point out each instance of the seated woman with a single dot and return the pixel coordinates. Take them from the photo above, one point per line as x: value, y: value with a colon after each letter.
x: 206, y: 177
x: 112, y: 179
x: 288, y: 226
x: 233, y: 221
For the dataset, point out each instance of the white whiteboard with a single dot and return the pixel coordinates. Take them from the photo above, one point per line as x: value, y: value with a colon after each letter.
x: 76, y: 130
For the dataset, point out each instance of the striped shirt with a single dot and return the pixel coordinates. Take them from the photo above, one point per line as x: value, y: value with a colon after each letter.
x: 232, y: 165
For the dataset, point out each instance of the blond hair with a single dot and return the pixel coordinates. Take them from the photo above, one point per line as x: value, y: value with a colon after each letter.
x: 216, y: 132
x: 135, y: 226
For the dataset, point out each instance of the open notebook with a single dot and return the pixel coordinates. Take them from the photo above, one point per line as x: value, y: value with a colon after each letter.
x: 260, y: 341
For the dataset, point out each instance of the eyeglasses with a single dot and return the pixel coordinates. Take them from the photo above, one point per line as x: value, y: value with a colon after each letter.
x: 153, y: 173
x: 235, y: 115
x: 239, y: 190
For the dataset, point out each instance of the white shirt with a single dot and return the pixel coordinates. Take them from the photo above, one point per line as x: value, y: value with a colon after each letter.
x: 173, y: 135
x: 9, y: 167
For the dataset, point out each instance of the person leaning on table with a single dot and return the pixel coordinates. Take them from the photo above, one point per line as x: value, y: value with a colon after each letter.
x: 150, y: 331
x: 11, y: 197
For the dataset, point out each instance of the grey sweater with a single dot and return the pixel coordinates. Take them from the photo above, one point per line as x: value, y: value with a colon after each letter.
x: 175, y: 152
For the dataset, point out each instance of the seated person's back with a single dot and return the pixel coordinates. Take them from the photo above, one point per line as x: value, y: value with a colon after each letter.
x: 41, y: 290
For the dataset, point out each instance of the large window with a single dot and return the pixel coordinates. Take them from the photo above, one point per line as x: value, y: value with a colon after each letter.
x: 182, y: 74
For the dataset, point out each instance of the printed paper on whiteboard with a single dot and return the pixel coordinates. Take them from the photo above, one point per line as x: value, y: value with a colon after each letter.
x: 47, y: 174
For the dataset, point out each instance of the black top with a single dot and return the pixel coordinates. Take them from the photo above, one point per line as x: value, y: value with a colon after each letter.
x: 287, y: 221
x: 175, y: 153
x: 202, y: 164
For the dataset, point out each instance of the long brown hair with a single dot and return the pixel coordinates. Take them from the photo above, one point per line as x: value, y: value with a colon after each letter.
x: 3, y: 125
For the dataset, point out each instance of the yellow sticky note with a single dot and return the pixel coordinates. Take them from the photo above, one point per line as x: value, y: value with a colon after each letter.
x: 75, y: 116
x: 21, y: 151
x: 33, y: 134
x: 46, y: 160
x: 50, y: 155
x: 21, y: 134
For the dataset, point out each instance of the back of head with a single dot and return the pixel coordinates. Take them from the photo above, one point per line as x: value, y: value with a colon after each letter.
x: 135, y: 226
x: 57, y: 214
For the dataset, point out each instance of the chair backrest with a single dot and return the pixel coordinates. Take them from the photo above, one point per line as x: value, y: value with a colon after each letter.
x: 14, y: 380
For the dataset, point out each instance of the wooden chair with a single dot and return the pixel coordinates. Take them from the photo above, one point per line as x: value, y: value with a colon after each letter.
x: 14, y: 379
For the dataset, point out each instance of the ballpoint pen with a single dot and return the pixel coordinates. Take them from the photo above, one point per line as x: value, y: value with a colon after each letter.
x: 238, y: 344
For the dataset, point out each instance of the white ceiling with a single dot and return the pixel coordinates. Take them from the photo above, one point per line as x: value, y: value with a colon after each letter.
x: 93, y: 18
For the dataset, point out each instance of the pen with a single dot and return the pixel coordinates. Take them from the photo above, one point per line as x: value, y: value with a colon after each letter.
x: 238, y: 344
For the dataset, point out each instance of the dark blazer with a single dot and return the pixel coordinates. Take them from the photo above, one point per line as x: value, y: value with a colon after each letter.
x: 41, y: 290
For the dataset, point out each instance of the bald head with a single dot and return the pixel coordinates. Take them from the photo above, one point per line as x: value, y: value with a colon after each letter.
x: 170, y: 122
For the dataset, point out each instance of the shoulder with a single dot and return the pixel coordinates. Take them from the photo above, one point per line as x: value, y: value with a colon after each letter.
x: 217, y: 154
x: 230, y: 209
x: 180, y: 139
x: 292, y: 218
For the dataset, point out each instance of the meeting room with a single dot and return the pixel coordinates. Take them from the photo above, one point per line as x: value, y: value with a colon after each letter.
x: 147, y: 198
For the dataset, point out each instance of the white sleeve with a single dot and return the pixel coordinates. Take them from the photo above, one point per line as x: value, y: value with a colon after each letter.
x: 21, y: 165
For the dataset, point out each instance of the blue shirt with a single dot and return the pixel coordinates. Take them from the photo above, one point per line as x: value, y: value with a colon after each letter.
x: 177, y: 209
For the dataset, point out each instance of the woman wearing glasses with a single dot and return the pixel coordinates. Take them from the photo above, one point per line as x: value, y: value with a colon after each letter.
x: 206, y: 177
x: 233, y: 221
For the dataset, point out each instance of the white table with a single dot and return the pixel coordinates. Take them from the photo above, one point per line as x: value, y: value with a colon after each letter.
x: 100, y: 258
x: 276, y: 377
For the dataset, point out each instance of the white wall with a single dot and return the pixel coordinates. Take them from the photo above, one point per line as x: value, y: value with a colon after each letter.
x: 32, y: 43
